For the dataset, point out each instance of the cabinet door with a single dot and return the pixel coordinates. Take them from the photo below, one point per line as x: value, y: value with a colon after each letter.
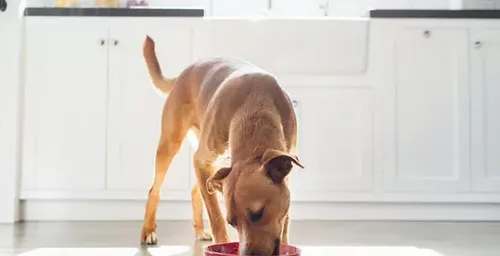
x: 136, y: 107
x: 65, y: 104
x: 335, y: 141
x: 427, y: 133
x: 485, y: 89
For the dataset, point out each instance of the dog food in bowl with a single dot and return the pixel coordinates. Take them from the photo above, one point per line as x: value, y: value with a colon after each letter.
x: 231, y: 249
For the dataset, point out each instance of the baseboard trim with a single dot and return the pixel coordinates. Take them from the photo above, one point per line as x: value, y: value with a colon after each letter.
x: 111, y: 210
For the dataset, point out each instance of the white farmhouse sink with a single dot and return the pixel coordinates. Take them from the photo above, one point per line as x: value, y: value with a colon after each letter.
x: 283, y: 45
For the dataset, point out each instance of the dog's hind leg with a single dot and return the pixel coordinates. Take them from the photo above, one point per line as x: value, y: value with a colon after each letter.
x: 175, y: 124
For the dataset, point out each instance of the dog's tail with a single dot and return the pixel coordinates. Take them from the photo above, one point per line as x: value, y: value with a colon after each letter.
x: 161, y: 83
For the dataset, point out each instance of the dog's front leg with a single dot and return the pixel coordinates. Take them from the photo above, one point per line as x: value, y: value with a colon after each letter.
x: 284, y: 235
x: 199, y: 227
x: 204, y: 170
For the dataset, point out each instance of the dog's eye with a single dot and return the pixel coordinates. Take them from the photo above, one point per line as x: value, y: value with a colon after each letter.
x: 256, y: 216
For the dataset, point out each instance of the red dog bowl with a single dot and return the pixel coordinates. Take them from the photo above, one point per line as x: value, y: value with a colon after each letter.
x: 231, y: 249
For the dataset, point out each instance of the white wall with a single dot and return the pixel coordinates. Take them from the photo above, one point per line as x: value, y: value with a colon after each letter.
x: 10, y: 27
x: 361, y: 7
x: 481, y: 4
x: 90, y: 3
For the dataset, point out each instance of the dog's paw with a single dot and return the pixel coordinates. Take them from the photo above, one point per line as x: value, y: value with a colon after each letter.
x: 149, y: 238
x: 204, y: 236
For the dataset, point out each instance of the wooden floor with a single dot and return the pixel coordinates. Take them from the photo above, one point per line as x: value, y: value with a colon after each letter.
x: 315, y: 238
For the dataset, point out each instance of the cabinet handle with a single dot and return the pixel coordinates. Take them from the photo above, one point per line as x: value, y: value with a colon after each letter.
x: 115, y: 42
x: 101, y: 41
x: 295, y: 103
x: 478, y: 44
x: 3, y: 5
x: 427, y: 34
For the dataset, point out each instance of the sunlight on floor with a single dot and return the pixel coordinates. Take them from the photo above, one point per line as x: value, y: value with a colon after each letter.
x: 110, y: 251
x: 368, y: 251
x: 186, y: 250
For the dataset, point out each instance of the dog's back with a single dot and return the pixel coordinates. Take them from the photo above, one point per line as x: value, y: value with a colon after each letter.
x: 221, y: 87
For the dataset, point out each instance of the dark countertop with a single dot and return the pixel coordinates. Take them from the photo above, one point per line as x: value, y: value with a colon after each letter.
x: 199, y: 12
x: 436, y: 14
x: 114, y: 12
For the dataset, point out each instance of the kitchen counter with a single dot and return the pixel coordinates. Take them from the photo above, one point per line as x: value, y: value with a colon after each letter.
x: 199, y: 12
x: 438, y: 14
x: 115, y: 12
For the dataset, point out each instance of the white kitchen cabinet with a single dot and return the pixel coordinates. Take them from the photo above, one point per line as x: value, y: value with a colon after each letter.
x: 65, y: 105
x: 92, y: 117
x: 335, y: 141
x: 427, y: 140
x: 135, y: 108
x: 485, y: 95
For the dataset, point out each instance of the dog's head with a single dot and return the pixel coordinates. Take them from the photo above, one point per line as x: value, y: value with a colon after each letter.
x: 257, y: 199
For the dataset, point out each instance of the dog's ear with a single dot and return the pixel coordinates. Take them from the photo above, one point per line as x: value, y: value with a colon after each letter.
x: 215, y: 182
x: 278, y: 164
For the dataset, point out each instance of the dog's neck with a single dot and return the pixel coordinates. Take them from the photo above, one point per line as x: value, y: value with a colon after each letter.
x: 252, y: 135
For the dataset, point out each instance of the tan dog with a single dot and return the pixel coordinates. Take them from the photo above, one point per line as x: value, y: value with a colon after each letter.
x: 231, y: 106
